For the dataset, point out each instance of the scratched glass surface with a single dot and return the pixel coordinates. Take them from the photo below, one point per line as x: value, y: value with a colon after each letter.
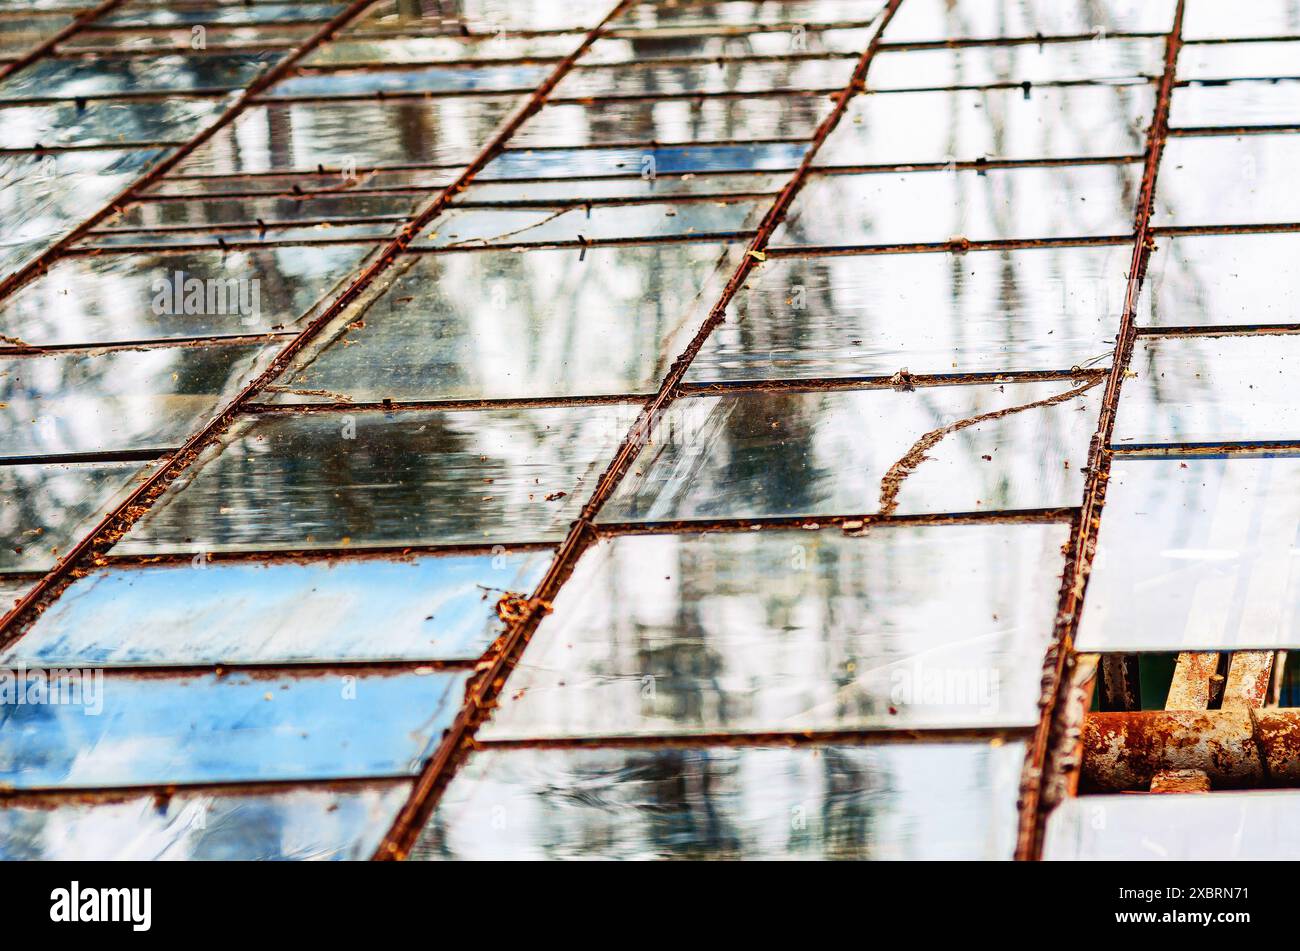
x: 703, y: 79
x: 45, y: 509
x: 1106, y: 61
x: 107, y: 122
x: 1207, y: 20
x: 885, y: 208
x: 229, y: 728
x: 934, y: 313
x: 44, y: 197
x: 1210, y: 390
x: 297, y: 825
x: 1260, y: 825
x: 914, y: 801
x: 921, y: 20
x: 345, y: 136
x: 633, y: 45
x: 891, y: 128
x: 76, y: 402
x: 498, y: 325
x: 961, y: 448
x: 940, y: 626
x: 124, y: 298
x: 1253, y: 176
x: 104, y: 77
x: 518, y: 77
x: 650, y: 13
x: 237, y: 612
x: 362, y: 50
x: 205, y: 237
x: 1197, y: 553
x: 205, y: 212
x: 1221, y: 280
x: 556, y: 193
x: 645, y: 161
x: 153, y: 15
x: 375, y: 478
x: 517, y: 227
x: 1236, y: 105
x: 669, y: 121
x: 482, y: 16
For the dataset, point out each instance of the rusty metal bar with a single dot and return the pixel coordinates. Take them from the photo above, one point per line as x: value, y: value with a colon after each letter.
x: 1121, y: 682
x: 1249, y: 675
x: 1193, y: 686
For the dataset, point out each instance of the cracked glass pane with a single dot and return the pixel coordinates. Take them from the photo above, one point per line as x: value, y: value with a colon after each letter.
x: 236, y: 612
x: 376, y: 478
x: 906, y: 628
x: 847, y: 316
x: 1221, y: 280
x: 298, y: 825
x: 961, y: 448
x: 847, y: 802
x: 231, y: 728
x: 1197, y: 552
x: 499, y: 324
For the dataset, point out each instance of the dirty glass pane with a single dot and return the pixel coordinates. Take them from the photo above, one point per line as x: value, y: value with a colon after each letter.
x: 894, y: 128
x: 205, y: 237
x: 669, y: 121
x: 1196, y: 553
x: 432, y: 79
x: 1222, y: 280
x: 885, y: 208
x: 104, y: 77
x: 128, y: 731
x: 19, y: 36
x: 943, y: 626
x: 232, y: 37
x: 934, y: 313
x: 1083, y: 61
x: 74, y: 402
x: 46, y: 509
x: 1210, y: 390
x: 1236, y: 105
x: 443, y: 49
x: 299, y: 825
x: 1253, y: 175
x: 558, y: 192
x: 921, y: 20
x: 916, y: 801
x: 344, y: 136
x: 375, y: 478
x: 649, y: 13
x: 416, y: 608
x: 209, y: 212
x: 1259, y: 825
x: 485, y: 16
x: 123, y: 298
x: 982, y: 448
x: 42, y: 198
x: 633, y: 45
x: 480, y: 227
x: 149, y: 15
x: 107, y: 122
x: 257, y: 184
x: 734, y: 76
x: 646, y: 161
x: 1208, y: 19
x: 497, y: 324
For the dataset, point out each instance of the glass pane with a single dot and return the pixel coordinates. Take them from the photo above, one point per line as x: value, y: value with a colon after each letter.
x: 648, y: 13
x: 1210, y: 390
x: 919, y: 801
x: 922, y: 20
x: 149, y: 15
x: 419, y: 608
x: 128, y: 731
x: 646, y: 161
x: 481, y: 16
x: 374, y: 478
x: 936, y: 313
x: 208, y: 213
x: 122, y: 298
x: 852, y: 452
x: 480, y: 227
x: 231, y: 37
x: 433, y: 79
x: 558, y: 192
x: 440, y: 49
x: 945, y: 626
x: 1197, y: 553
x: 669, y: 121
x: 896, y: 128
x: 1206, y: 19
x: 64, y: 403
x: 1236, y: 105
x: 887, y: 208
x: 19, y: 36
x: 1083, y: 61
x: 733, y: 76
x: 107, y: 122
x: 497, y: 324
x: 100, y: 76
x: 633, y: 45
x: 300, y: 825
x: 1221, y: 280
x: 1218, y: 61
x: 261, y: 183
x: 12, y: 589
x: 1260, y: 826
x: 1253, y: 176
x: 324, y: 232
x: 46, y: 509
